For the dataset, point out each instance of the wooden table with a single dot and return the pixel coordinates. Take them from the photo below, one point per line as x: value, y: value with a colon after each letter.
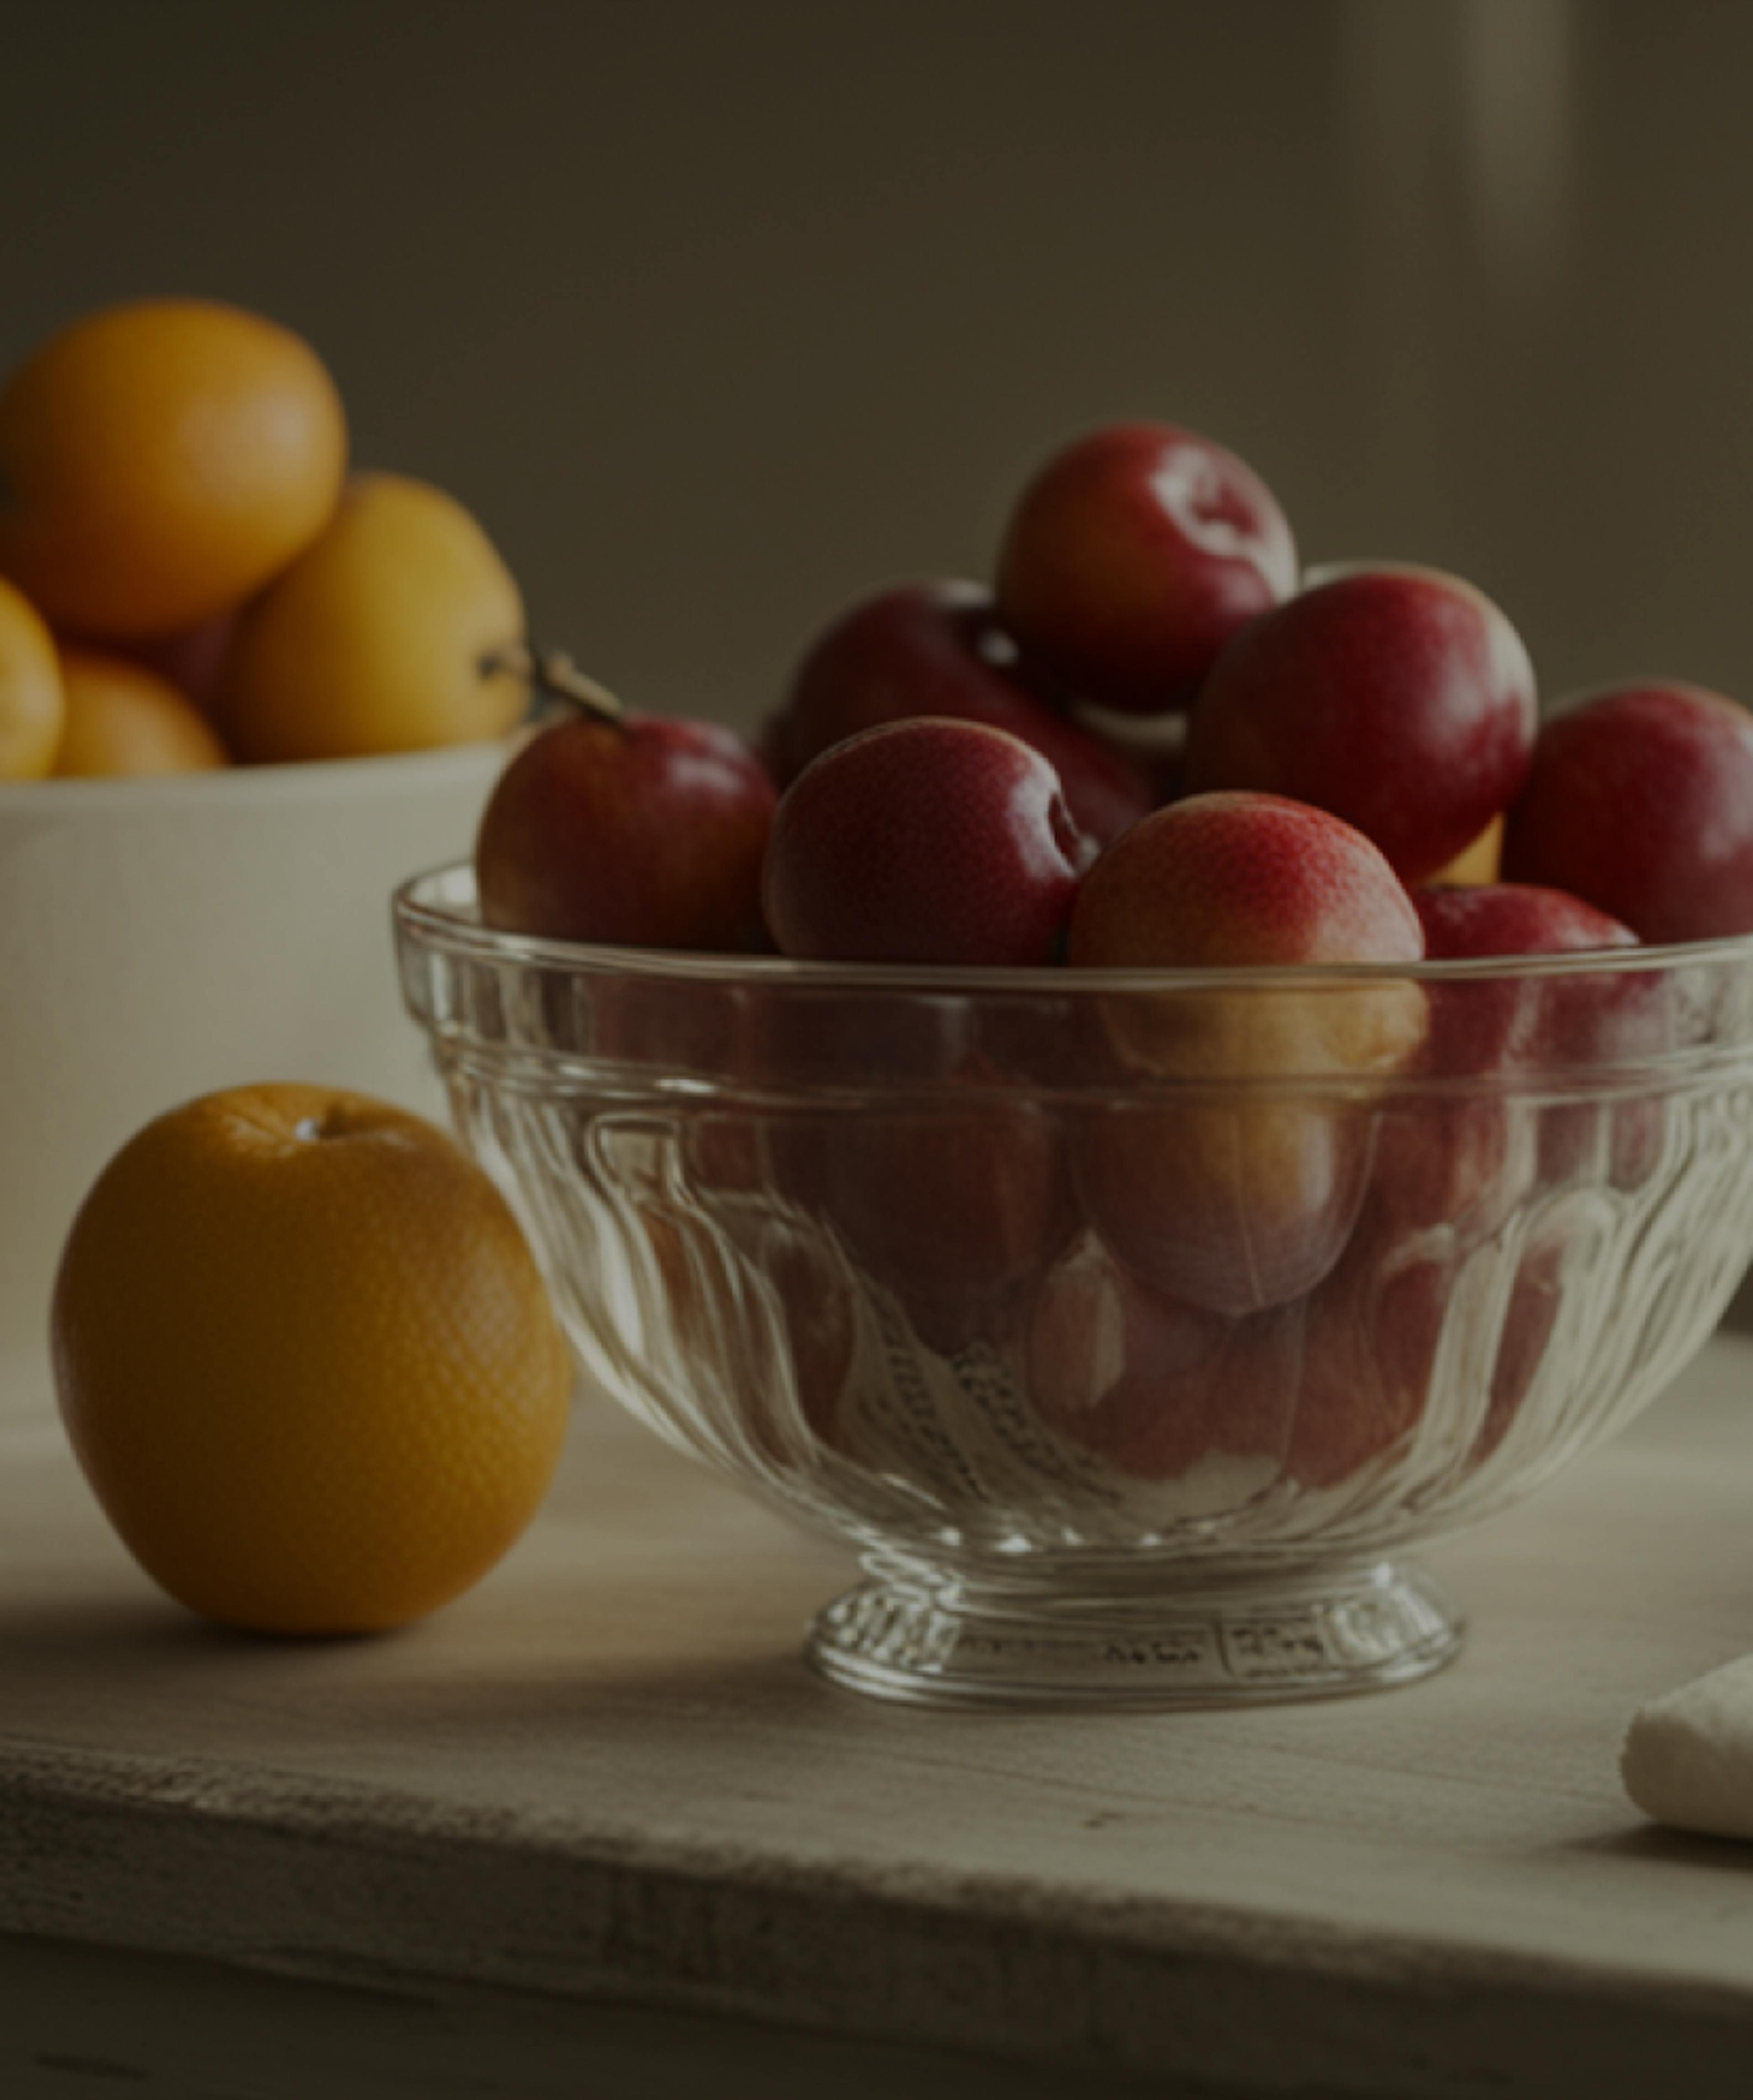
x: 595, y: 1830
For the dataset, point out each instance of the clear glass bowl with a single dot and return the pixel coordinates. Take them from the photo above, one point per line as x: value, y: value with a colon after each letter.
x: 1129, y: 1325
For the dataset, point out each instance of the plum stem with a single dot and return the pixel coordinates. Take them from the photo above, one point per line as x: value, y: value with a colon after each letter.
x: 555, y: 677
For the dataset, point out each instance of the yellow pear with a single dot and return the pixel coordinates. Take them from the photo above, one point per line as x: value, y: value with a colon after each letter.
x: 398, y: 629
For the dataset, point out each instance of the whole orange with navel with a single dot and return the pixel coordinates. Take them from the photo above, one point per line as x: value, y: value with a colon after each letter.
x: 161, y: 461
x: 307, y: 1361
x: 122, y: 718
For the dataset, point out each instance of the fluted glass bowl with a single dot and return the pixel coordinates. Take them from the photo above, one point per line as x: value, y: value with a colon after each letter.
x: 1129, y: 1325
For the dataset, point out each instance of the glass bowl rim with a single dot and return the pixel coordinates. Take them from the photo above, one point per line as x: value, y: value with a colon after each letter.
x: 441, y: 925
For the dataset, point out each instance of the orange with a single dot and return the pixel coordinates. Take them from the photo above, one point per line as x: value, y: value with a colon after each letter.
x: 306, y: 1361
x: 33, y: 704
x: 161, y: 461
x: 123, y: 718
x: 383, y: 636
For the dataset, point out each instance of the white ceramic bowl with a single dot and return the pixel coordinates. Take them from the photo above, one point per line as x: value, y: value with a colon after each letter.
x: 161, y: 937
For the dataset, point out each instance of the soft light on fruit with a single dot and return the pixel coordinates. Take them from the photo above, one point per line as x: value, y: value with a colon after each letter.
x: 648, y: 832
x: 1641, y: 801
x: 924, y: 841
x: 160, y: 462
x: 1247, y: 881
x: 1239, y: 1203
x: 398, y: 629
x: 1398, y: 698
x: 307, y: 1361
x: 1235, y: 1206
x: 1133, y: 556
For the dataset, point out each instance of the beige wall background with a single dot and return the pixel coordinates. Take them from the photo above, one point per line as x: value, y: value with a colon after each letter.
x: 720, y: 312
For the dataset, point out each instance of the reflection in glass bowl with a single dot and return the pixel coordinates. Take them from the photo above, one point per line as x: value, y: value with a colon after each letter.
x: 1129, y: 1325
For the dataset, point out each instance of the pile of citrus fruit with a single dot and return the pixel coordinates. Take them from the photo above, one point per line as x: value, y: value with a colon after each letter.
x: 303, y: 1352
x: 190, y: 576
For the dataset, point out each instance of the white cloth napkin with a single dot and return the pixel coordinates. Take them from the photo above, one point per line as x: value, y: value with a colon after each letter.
x: 1688, y: 1758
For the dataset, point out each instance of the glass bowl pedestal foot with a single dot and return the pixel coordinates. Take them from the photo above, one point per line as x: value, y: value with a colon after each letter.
x: 938, y: 1637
